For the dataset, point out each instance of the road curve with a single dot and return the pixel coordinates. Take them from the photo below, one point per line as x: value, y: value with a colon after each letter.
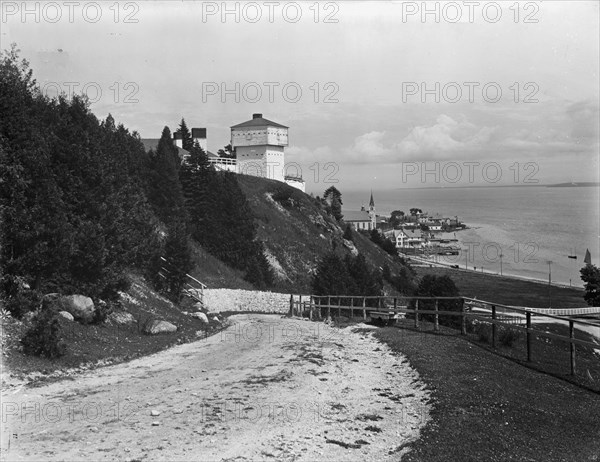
x: 266, y: 388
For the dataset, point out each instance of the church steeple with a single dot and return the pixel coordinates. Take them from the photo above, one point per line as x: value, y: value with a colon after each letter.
x: 371, y: 202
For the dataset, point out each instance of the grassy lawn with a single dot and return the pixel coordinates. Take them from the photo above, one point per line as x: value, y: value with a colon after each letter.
x: 490, y: 408
x: 508, y: 291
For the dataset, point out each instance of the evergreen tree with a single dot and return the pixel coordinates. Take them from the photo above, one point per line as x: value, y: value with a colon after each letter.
x: 187, y: 142
x: 590, y: 274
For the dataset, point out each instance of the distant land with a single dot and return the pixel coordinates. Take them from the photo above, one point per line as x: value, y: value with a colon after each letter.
x: 558, y: 185
x: 583, y: 184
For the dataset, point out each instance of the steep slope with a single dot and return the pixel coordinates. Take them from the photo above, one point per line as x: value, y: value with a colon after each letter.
x: 298, y: 232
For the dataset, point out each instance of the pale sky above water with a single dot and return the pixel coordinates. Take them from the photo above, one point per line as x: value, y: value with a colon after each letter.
x: 373, y: 65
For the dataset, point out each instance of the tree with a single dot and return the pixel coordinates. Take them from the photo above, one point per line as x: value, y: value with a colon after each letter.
x: 348, y: 233
x: 187, y: 141
x: 227, y: 152
x: 415, y: 211
x: 590, y: 274
x: 396, y: 218
x: 334, y: 200
x: 439, y: 286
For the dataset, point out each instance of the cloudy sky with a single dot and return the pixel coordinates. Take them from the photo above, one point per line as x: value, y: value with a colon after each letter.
x: 376, y: 94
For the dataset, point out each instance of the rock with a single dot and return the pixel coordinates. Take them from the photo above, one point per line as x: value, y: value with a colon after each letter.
x: 159, y: 327
x: 201, y: 316
x: 121, y: 317
x: 200, y: 307
x: 65, y: 314
x: 215, y: 319
x: 155, y: 424
x: 79, y: 306
x: 154, y: 413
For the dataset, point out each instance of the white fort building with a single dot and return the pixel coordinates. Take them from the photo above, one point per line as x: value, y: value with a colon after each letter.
x: 259, y: 146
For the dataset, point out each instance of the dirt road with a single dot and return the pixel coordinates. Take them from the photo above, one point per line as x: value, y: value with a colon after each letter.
x: 266, y: 388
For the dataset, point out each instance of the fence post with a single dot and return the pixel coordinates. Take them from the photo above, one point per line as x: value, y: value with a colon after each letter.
x: 493, y: 326
x: 528, y: 325
x: 436, y: 325
x: 351, y: 308
x: 463, y: 318
x: 364, y: 310
x: 572, y: 345
x: 417, y: 314
x: 395, y: 307
x: 329, y: 307
x: 291, y: 304
x: 310, y: 310
x: 300, y: 310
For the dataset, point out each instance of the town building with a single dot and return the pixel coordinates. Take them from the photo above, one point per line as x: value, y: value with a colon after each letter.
x: 362, y: 219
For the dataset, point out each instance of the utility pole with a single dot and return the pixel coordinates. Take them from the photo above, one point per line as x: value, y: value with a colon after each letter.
x: 501, y: 263
x: 550, y: 283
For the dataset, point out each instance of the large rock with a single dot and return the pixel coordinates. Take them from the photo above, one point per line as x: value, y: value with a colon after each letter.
x: 159, y: 327
x: 79, y: 306
x: 201, y: 316
x: 121, y: 317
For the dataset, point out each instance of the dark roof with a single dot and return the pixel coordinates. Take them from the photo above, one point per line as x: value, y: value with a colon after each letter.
x: 259, y: 122
x: 198, y: 132
x: 152, y: 144
x: 358, y: 215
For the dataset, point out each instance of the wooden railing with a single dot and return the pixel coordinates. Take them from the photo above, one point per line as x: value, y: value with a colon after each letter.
x: 191, y: 287
x: 322, y: 306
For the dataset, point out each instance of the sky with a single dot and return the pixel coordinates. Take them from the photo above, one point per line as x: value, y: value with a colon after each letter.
x: 378, y: 95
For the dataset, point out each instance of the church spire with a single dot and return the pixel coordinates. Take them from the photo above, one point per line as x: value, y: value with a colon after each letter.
x: 371, y: 202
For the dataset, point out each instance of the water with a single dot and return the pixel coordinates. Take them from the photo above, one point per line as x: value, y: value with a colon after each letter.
x: 530, y: 226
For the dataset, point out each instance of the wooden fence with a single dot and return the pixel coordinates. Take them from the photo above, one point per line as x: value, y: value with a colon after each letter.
x: 317, y: 307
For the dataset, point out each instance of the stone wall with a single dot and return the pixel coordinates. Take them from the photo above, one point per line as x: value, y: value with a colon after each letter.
x: 218, y: 300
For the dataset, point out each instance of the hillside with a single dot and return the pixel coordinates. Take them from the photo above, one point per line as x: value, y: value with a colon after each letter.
x: 298, y: 232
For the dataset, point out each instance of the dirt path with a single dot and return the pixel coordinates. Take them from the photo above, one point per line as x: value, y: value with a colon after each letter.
x: 266, y: 388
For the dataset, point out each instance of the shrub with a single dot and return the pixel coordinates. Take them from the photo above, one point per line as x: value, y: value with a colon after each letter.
x: 44, y: 337
x: 103, y: 309
x: 348, y: 234
x: 25, y: 301
x: 483, y: 331
x: 508, y: 336
x: 284, y: 197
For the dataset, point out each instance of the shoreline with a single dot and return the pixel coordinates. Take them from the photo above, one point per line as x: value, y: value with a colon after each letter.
x: 426, y: 261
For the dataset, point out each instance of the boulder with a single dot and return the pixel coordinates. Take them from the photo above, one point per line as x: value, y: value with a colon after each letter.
x: 65, y: 314
x: 201, y: 316
x: 159, y: 327
x: 215, y: 319
x: 80, y: 306
x: 200, y: 307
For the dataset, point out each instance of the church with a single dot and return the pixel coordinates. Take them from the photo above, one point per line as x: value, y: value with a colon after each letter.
x: 362, y: 219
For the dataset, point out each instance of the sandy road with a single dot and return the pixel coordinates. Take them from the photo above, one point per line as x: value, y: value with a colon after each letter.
x: 267, y: 388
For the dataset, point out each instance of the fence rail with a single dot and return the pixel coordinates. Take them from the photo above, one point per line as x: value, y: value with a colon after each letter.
x: 498, y: 315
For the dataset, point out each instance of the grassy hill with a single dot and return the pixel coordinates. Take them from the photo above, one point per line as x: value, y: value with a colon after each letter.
x: 298, y: 232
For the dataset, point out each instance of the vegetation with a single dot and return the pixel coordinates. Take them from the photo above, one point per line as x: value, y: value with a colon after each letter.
x: 439, y: 286
x: 348, y: 233
x: 346, y: 276
x: 383, y: 242
x: 44, y: 338
x: 590, y: 274
x: 333, y: 198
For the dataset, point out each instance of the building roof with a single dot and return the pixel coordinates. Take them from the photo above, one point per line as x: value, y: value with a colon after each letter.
x: 258, y: 121
x: 152, y: 144
x: 198, y: 132
x: 355, y: 215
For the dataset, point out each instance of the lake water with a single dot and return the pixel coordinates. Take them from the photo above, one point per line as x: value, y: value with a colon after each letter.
x: 530, y: 226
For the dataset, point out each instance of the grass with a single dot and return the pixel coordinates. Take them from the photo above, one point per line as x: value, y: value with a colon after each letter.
x: 508, y: 291
x: 89, y: 346
x: 487, y: 407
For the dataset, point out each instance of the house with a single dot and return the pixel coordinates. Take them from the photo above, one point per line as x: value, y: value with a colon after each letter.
x: 405, y: 239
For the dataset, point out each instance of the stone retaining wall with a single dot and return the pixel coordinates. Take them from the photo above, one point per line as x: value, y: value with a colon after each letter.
x: 217, y: 300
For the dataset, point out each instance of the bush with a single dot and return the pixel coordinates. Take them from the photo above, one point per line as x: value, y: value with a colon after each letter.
x: 508, y: 336
x: 25, y: 301
x: 44, y: 337
x: 438, y: 286
x: 103, y: 309
x: 284, y: 197
x: 483, y: 331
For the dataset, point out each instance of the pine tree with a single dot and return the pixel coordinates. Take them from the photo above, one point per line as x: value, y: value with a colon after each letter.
x: 187, y: 141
